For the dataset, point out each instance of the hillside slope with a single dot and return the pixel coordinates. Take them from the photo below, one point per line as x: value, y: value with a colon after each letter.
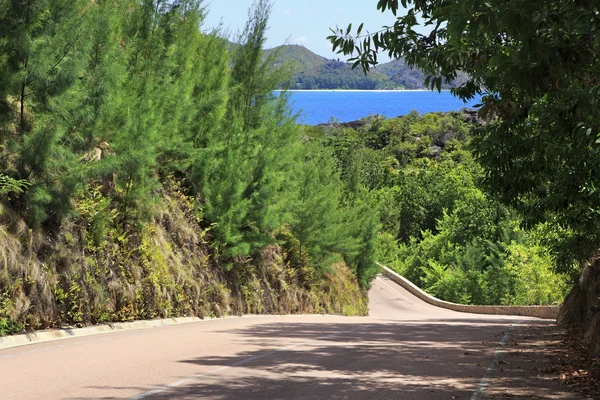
x: 311, y: 71
x: 402, y: 75
x: 169, y: 268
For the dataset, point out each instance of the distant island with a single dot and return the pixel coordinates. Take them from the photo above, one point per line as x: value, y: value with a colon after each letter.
x: 314, y: 72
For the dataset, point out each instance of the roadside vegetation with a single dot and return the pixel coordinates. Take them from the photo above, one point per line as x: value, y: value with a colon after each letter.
x: 439, y: 228
x: 148, y: 171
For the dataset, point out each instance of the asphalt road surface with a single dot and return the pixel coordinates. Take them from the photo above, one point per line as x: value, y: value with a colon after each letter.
x: 405, y: 349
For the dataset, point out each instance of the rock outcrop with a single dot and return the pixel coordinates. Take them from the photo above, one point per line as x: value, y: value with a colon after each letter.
x: 472, y: 115
x: 351, y: 125
x: 582, y: 305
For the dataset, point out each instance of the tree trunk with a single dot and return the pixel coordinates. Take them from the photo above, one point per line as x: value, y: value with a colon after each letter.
x: 26, y: 74
x: 22, y: 111
x: 582, y: 305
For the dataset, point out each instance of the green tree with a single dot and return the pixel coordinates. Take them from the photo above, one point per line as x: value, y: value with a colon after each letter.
x: 245, y: 170
x: 246, y: 186
x: 137, y: 117
x: 364, y: 229
x: 318, y: 218
x: 104, y: 73
x: 253, y: 77
x: 146, y: 119
x: 43, y: 45
x: 211, y: 94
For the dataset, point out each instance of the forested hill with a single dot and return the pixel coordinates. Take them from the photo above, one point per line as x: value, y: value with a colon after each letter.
x: 312, y: 71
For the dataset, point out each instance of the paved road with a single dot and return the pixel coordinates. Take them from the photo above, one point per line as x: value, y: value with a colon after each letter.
x: 405, y: 349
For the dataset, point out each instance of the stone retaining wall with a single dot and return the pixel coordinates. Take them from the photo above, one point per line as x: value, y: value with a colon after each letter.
x: 546, y: 312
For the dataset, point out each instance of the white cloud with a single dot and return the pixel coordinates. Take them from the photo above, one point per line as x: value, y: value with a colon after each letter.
x: 301, y: 40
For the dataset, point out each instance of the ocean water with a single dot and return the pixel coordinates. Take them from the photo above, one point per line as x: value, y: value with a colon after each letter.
x: 317, y: 107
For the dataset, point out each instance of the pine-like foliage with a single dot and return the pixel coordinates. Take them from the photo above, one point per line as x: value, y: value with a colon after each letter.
x: 318, y: 220
x: 246, y: 167
x: 104, y: 104
x: 104, y: 73
x: 364, y: 225
x: 45, y: 41
x: 253, y: 78
x: 143, y: 98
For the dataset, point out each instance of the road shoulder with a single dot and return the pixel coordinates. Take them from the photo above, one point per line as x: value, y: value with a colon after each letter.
x: 525, y: 368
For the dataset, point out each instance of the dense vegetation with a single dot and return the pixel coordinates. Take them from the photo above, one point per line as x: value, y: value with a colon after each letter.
x: 537, y: 64
x: 147, y: 171
x: 439, y: 228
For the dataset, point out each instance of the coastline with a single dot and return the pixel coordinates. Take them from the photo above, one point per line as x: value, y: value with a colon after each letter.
x: 352, y: 105
x: 359, y: 90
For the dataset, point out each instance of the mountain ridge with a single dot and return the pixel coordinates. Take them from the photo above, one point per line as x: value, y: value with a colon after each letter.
x: 312, y: 71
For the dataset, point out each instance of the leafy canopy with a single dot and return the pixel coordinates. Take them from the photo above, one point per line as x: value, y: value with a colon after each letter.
x: 535, y: 64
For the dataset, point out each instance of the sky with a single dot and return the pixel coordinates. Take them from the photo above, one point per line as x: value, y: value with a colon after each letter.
x: 303, y: 22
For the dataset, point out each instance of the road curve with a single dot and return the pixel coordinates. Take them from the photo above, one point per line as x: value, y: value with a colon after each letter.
x: 405, y: 349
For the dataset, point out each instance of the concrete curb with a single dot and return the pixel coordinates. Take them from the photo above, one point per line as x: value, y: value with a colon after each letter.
x: 7, y: 342
x: 51, y: 335
x: 545, y: 312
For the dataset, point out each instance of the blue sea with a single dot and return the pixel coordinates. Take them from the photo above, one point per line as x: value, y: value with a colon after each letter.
x: 317, y: 107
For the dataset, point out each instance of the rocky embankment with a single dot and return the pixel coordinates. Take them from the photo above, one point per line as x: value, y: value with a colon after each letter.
x: 439, y: 142
x: 582, y: 305
x: 68, y: 276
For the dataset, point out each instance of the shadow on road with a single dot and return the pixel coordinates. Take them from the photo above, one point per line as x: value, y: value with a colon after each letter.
x: 442, y: 359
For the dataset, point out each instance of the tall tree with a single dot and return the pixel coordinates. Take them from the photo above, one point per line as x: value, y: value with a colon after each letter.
x: 104, y: 73
x: 45, y: 42
x: 196, y: 87
x: 318, y: 217
x: 246, y: 165
x: 253, y: 77
x: 138, y: 115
